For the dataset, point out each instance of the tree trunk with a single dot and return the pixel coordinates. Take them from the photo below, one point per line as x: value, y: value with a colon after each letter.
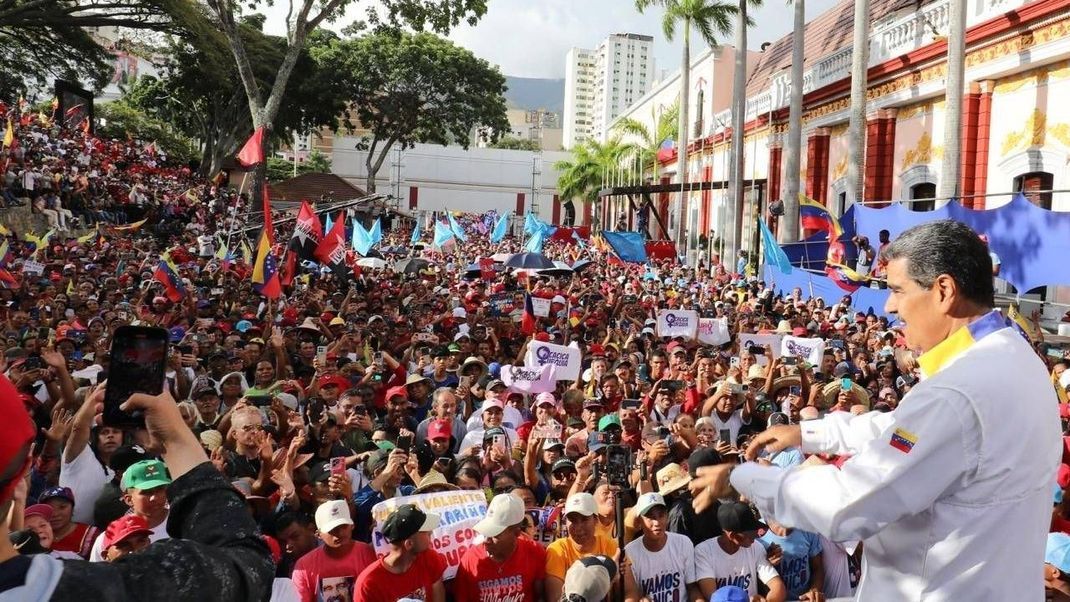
x: 680, y: 206
x: 951, y: 167
x: 734, y: 228
x: 856, y: 129
x: 790, y: 186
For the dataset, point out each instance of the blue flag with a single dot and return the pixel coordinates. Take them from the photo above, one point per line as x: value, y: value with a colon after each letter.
x: 415, y: 233
x: 443, y: 234
x: 456, y: 228
x: 500, y: 228
x: 535, y: 243
x: 376, y: 233
x: 579, y: 241
x: 629, y: 246
x: 362, y: 240
x: 328, y: 223
x: 774, y: 255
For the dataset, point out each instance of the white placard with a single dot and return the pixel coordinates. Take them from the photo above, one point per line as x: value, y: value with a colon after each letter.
x: 566, y: 359
x: 761, y: 340
x: 540, y: 307
x: 677, y: 323
x: 808, y: 350
x: 713, y: 331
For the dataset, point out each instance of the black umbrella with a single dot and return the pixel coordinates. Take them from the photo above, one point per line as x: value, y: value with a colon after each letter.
x: 411, y: 265
x: 529, y: 261
x: 580, y: 265
x: 559, y: 270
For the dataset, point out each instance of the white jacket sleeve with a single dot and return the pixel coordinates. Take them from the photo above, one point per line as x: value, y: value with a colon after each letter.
x: 842, y: 433
x: 929, y: 444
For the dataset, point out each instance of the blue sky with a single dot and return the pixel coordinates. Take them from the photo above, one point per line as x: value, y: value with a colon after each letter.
x: 529, y: 38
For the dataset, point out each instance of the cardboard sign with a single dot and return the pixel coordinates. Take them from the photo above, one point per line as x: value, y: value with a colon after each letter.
x: 458, y: 512
x: 677, y: 323
x: 568, y: 360
x: 33, y: 267
x: 540, y: 307
x: 808, y: 350
x: 713, y: 331
x: 523, y: 379
x: 761, y: 340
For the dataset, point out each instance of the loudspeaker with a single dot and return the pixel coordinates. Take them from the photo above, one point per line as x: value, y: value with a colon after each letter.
x: 776, y: 208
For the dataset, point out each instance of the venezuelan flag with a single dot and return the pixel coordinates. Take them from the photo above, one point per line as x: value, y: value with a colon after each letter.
x: 167, y: 274
x: 814, y: 216
x: 266, y: 267
x: 845, y: 278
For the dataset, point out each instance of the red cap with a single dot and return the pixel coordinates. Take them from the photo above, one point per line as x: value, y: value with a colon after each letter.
x: 798, y: 331
x: 123, y: 527
x: 542, y: 337
x: 439, y: 429
x: 333, y: 379
x: 1062, y: 476
x: 596, y: 350
x: 19, y: 431
x: 398, y: 391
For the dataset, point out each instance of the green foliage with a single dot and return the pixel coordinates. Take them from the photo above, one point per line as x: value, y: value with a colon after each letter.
x: 511, y: 143
x: 279, y: 169
x: 120, y: 120
x: 406, y: 88
x: 644, y: 142
x: 582, y: 177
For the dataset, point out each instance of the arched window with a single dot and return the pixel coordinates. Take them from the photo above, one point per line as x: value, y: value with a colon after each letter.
x: 923, y: 197
x: 1031, y: 184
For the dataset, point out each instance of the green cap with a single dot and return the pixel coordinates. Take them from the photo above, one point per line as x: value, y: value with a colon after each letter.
x: 384, y: 445
x: 146, y: 474
x: 609, y: 420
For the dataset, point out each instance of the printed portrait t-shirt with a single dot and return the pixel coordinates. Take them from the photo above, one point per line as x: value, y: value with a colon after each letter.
x: 378, y: 584
x: 482, y: 579
x: 741, y: 569
x: 320, y: 578
x: 663, y: 575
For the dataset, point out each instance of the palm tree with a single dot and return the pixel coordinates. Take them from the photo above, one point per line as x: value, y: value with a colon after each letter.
x: 583, y: 176
x: 707, y: 17
x: 734, y: 231
x: 790, y: 186
x: 950, y: 170
x: 645, y: 141
x: 856, y: 129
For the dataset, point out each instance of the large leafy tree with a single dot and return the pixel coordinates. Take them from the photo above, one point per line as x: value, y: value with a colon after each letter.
x: 200, y: 95
x: 44, y: 39
x: 407, y: 88
x: 709, y: 18
x: 642, y: 142
x: 582, y: 177
x: 265, y: 98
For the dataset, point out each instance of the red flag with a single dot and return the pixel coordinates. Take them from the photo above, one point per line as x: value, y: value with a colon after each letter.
x: 333, y: 245
x: 253, y: 151
x: 265, y: 267
x: 527, y: 321
x: 267, y: 217
x: 308, y: 232
x: 289, y: 268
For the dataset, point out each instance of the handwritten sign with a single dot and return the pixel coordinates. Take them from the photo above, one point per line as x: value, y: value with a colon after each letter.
x: 458, y: 512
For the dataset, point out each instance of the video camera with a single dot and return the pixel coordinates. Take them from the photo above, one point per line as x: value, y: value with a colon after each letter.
x: 618, y: 463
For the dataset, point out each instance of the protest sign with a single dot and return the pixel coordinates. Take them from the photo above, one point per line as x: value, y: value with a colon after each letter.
x: 540, y: 307
x: 458, y: 512
x: 486, y: 269
x: 761, y: 340
x: 566, y: 359
x: 713, y: 331
x: 523, y: 379
x: 33, y: 267
x: 808, y: 350
x: 677, y: 323
x: 500, y: 304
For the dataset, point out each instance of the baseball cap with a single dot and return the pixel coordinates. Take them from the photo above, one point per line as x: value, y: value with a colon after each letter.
x: 777, y: 418
x: 495, y: 383
x: 438, y: 429
x: 493, y: 431
x: 146, y: 474
x: 703, y: 456
x: 581, y: 503
x: 545, y: 399
x: 42, y: 510
x: 841, y: 370
x: 63, y: 493
x: 406, y: 521
x: 1057, y: 551
x: 562, y: 464
x: 491, y: 403
x: 19, y: 431
x: 648, y: 501
x: 503, y: 512
x: 332, y: 514
x: 398, y: 391
x: 589, y: 578
x: 609, y: 420
x: 730, y: 593
x: 592, y: 402
x: 123, y: 527
x: 552, y: 443
x: 737, y: 517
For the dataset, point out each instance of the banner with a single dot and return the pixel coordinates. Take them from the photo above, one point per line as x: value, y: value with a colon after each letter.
x: 500, y: 304
x: 523, y: 379
x: 808, y: 350
x: 540, y: 307
x: 486, y: 269
x: 677, y: 323
x: 713, y: 331
x: 458, y: 512
x: 761, y: 340
x: 567, y: 359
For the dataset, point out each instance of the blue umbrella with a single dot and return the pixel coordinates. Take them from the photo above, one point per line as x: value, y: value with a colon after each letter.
x: 529, y: 261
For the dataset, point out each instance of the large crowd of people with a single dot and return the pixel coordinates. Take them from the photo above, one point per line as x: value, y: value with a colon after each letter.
x: 348, y: 392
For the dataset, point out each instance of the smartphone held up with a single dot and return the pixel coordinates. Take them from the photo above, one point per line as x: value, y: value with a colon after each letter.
x: 138, y: 365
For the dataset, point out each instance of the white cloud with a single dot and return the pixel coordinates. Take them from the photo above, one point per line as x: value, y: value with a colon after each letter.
x: 530, y: 38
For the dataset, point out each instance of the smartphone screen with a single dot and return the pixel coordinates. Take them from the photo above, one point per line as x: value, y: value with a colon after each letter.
x: 845, y: 384
x: 338, y: 466
x: 321, y: 354
x: 405, y: 443
x: 138, y: 365
x: 725, y: 436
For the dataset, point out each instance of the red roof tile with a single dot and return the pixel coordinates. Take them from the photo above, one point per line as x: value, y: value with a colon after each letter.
x: 312, y: 186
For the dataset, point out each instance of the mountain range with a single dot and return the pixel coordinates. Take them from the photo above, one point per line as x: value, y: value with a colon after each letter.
x: 534, y: 93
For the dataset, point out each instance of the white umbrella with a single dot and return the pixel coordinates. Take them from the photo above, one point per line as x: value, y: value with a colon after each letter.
x: 501, y: 257
x: 375, y: 263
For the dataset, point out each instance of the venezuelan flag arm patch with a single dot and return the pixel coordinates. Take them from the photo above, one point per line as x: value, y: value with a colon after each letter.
x: 903, y: 440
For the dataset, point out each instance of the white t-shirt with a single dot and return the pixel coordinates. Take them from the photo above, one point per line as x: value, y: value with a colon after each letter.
x: 96, y: 553
x: 837, y: 571
x: 663, y: 575
x: 86, y: 477
x: 667, y: 418
x: 733, y: 424
x: 511, y: 417
x: 741, y: 569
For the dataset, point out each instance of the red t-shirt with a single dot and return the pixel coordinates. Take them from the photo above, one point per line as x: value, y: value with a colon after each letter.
x: 481, y: 579
x: 317, y: 576
x: 378, y: 584
x: 80, y: 541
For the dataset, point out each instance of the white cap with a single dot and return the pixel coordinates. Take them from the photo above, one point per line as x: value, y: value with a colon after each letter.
x: 503, y: 512
x: 460, y: 312
x: 558, y: 299
x: 590, y: 578
x: 332, y: 514
x: 648, y: 501
x: 582, y: 503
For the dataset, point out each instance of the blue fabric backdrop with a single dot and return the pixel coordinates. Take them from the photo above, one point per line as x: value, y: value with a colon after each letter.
x: 864, y: 299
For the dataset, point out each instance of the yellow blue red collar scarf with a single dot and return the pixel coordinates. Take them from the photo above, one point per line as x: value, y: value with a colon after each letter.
x: 936, y: 358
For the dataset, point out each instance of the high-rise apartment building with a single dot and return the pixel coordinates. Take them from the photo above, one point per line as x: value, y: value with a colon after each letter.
x: 601, y: 83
